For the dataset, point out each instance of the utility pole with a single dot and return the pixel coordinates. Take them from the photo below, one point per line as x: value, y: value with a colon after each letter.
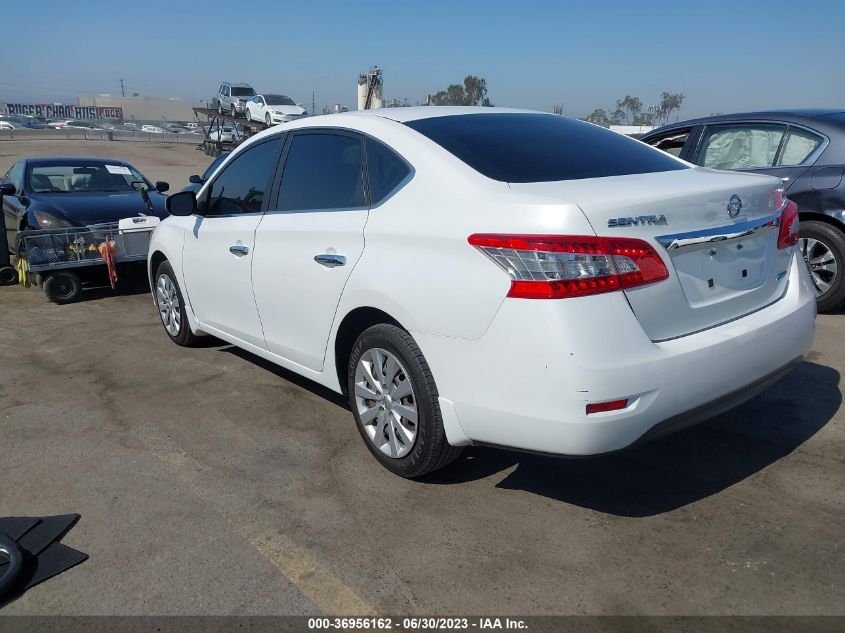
x: 122, y: 91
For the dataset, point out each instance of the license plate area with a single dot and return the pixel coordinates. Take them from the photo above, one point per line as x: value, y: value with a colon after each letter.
x: 721, y: 270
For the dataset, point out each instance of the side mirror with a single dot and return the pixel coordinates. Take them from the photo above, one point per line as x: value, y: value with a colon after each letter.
x: 162, y: 186
x: 7, y: 189
x: 182, y: 203
x: 195, y: 180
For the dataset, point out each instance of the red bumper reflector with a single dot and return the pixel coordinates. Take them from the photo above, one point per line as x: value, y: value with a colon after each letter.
x: 601, y: 407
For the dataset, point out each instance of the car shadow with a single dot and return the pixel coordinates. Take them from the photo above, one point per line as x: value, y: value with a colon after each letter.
x: 657, y: 477
x: 675, y: 470
x: 281, y: 372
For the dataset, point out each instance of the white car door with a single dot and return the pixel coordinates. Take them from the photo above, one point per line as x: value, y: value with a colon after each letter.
x: 309, y: 241
x: 218, y: 250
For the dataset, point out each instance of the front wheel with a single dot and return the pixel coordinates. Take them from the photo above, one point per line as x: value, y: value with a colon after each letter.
x: 395, y: 403
x: 171, y: 307
x: 823, y: 248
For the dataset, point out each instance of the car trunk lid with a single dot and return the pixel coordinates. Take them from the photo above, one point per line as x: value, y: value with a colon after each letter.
x: 722, y: 265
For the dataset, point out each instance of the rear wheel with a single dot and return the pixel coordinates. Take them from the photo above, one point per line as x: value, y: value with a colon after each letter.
x: 171, y: 307
x: 62, y: 287
x: 395, y: 403
x: 823, y: 248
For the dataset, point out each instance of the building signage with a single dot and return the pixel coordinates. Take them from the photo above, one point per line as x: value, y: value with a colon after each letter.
x: 53, y: 111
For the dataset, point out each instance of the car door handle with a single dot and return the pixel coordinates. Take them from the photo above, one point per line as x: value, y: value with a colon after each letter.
x: 239, y: 249
x: 330, y: 261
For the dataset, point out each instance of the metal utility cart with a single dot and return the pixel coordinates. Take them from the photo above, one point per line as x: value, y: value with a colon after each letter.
x: 62, y: 260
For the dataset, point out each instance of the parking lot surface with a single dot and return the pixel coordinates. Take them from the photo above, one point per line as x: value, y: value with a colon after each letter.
x: 210, y: 482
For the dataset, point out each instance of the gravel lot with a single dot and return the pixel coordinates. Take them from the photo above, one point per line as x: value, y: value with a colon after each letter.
x: 210, y: 482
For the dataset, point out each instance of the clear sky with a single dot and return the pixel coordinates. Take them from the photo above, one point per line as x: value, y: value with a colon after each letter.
x: 724, y: 55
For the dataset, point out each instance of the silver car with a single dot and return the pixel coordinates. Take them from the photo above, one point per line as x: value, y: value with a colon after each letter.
x: 231, y: 98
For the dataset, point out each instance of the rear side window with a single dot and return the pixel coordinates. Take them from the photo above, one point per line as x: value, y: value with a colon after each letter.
x: 240, y: 187
x: 540, y: 147
x: 671, y: 143
x: 798, y: 147
x: 385, y: 170
x: 740, y: 146
x: 322, y: 171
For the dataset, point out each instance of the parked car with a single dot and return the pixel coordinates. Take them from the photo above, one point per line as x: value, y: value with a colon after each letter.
x: 58, y: 124
x: 806, y: 149
x: 195, y: 182
x: 273, y: 109
x: 27, y: 122
x: 6, y: 125
x: 82, y: 125
x: 488, y: 276
x: 62, y: 192
x: 231, y: 98
x: 225, y: 134
x: 152, y: 129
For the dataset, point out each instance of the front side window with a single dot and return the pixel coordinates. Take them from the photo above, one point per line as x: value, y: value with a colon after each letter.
x: 322, y: 171
x: 385, y: 170
x: 241, y: 185
x: 671, y: 143
x: 798, y: 147
x: 540, y: 147
x: 748, y: 146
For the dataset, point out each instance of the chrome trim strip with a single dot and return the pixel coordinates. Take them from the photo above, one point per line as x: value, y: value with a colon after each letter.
x: 677, y: 241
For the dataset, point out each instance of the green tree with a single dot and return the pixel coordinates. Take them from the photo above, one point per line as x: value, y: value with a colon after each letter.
x: 598, y: 116
x: 669, y: 103
x: 472, y: 92
x: 628, y: 109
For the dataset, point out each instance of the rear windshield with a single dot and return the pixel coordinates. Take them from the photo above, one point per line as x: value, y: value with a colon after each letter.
x: 243, y: 92
x: 540, y: 147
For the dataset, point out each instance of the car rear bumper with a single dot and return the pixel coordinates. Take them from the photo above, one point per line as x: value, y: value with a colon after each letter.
x: 525, y: 384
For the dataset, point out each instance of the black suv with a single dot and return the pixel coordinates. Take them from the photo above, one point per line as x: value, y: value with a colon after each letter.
x: 806, y: 149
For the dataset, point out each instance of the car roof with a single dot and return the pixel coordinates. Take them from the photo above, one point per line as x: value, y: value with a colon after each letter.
x: 237, y: 85
x: 809, y: 116
x: 403, y: 115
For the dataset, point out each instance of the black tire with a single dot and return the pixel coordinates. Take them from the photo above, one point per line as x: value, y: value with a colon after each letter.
x: 834, y: 240
x: 184, y: 337
x: 62, y: 287
x: 234, y: 112
x: 430, y: 450
x: 8, y: 276
x: 220, y: 108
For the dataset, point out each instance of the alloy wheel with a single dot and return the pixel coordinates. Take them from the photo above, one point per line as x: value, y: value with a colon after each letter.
x: 820, y: 261
x: 386, y: 403
x: 168, y: 305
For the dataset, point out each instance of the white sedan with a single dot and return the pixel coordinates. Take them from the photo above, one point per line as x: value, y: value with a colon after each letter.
x: 490, y: 276
x: 273, y: 109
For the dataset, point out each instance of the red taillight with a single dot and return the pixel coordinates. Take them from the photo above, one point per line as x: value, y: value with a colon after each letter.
x: 788, y: 231
x: 601, y: 407
x: 560, y: 266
